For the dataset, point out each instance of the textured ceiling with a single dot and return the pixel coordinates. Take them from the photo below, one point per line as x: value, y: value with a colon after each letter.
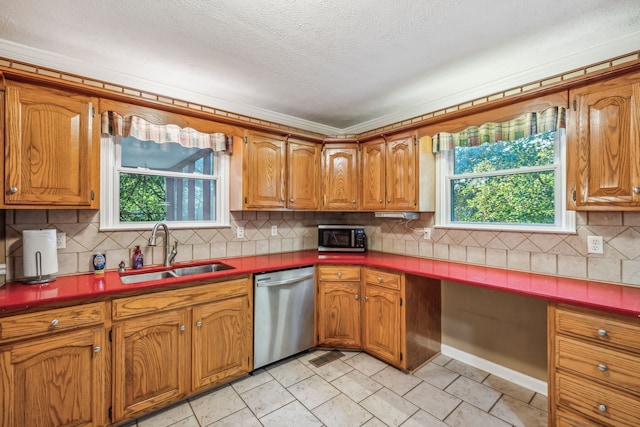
x: 324, y: 65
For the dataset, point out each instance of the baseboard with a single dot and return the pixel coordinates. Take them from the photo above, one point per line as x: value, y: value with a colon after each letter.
x: 508, y: 374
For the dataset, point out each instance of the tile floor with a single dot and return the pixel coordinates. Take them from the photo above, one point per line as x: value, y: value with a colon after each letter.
x: 359, y: 390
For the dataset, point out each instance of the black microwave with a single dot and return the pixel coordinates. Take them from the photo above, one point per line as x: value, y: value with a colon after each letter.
x: 341, y: 238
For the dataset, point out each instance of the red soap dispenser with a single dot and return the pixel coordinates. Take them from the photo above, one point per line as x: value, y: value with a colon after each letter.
x: 138, y: 258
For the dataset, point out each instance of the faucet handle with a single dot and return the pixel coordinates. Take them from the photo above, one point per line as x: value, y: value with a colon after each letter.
x: 174, y: 252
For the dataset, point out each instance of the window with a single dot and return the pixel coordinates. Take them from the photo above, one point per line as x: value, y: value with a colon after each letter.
x: 504, y: 176
x: 163, y: 173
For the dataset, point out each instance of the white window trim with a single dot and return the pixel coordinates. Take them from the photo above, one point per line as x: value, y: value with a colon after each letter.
x: 565, y: 219
x: 110, y: 192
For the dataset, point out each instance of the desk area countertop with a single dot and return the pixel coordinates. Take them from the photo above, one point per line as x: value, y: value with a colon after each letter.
x: 608, y: 297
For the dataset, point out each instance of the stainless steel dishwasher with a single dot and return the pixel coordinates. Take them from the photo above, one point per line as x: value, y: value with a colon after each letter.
x: 283, y: 314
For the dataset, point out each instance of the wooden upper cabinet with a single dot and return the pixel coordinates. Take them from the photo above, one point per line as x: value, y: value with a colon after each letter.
x: 603, y: 144
x: 340, y: 177
x: 52, y: 148
x: 303, y: 175
x: 389, y: 174
x: 373, y: 175
x: 265, y: 175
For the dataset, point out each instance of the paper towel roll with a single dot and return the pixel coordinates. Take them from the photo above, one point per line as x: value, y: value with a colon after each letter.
x: 40, y: 252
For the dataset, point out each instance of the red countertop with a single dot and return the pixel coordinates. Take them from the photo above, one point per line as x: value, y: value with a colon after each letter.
x: 603, y: 296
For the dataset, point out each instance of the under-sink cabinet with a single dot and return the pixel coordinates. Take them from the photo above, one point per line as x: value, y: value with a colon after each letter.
x: 53, y: 367
x: 594, y: 368
x: 168, y: 345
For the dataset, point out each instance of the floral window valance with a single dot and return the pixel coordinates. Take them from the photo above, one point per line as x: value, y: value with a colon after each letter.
x: 115, y: 125
x: 528, y: 124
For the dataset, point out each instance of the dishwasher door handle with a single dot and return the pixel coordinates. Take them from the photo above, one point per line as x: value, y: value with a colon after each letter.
x: 282, y: 282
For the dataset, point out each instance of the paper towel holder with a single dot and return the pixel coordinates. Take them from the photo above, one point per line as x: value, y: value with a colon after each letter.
x: 40, y: 258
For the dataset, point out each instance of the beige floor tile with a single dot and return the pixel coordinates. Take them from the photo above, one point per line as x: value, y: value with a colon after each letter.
x: 192, y: 421
x: 356, y: 385
x: 167, y: 417
x: 477, y: 394
x: 291, y: 372
x: 341, y: 412
x: 293, y: 414
x: 518, y: 413
x: 374, y: 422
x: 395, y: 380
x: 468, y: 371
x: 433, y: 400
x: 436, y: 375
x: 331, y: 370
x: 243, y: 417
x: 539, y: 401
x: 348, y: 354
x: 266, y: 398
x: 423, y: 419
x: 366, y: 364
x: 214, y: 406
x: 390, y: 408
x: 313, y: 391
x: 509, y: 388
x: 258, y: 378
x: 441, y: 360
x: 467, y: 415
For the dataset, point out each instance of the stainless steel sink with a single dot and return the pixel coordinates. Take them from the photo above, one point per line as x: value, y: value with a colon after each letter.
x: 174, y: 272
x: 199, y: 269
x: 146, y: 277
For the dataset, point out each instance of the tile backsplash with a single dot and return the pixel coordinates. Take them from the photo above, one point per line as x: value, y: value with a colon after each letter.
x: 562, y: 255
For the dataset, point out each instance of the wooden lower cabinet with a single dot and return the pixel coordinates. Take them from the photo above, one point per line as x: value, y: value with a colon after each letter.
x: 169, y: 345
x: 150, y: 362
x: 58, y: 378
x: 397, y: 317
x: 594, y: 368
x: 338, y: 306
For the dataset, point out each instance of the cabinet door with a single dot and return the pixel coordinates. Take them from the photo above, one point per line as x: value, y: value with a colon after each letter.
x: 52, y: 148
x: 55, y: 381
x: 604, y: 144
x: 382, y: 323
x: 222, y: 341
x: 265, y: 174
x: 339, y: 314
x: 150, y: 362
x: 401, y: 174
x: 373, y: 175
x: 340, y: 174
x: 303, y: 175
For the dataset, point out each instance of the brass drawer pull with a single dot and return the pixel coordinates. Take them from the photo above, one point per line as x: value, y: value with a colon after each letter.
x: 602, y: 367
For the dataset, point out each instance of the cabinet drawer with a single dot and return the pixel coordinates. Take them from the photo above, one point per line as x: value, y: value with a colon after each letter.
x: 569, y: 419
x: 605, y: 328
x: 595, y: 401
x: 382, y: 278
x: 43, y: 322
x: 123, y: 308
x: 343, y: 273
x: 598, y: 362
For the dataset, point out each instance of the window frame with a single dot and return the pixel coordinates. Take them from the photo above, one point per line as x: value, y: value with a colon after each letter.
x: 564, y: 218
x: 111, y: 168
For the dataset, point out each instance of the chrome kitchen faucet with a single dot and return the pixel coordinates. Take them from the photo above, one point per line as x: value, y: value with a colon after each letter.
x: 169, y: 255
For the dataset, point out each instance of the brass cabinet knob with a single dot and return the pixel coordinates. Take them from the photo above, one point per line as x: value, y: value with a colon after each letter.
x: 366, y: 298
x: 353, y: 201
x: 183, y: 328
x: 356, y: 296
x: 388, y: 200
x: 199, y: 324
x: 291, y: 201
x: 379, y: 279
x: 380, y: 201
x: 340, y: 275
x: 13, y: 190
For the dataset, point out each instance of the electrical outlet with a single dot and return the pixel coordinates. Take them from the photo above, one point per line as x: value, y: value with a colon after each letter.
x: 427, y: 233
x: 274, y: 230
x: 594, y: 245
x: 240, y: 232
x: 61, y: 240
